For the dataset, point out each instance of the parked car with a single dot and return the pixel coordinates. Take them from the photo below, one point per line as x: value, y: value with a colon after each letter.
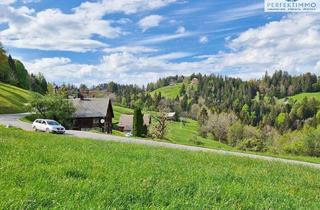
x: 49, y: 126
x: 128, y: 134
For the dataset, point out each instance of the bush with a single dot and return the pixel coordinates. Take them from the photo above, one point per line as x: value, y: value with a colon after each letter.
x: 252, y: 144
x: 235, y: 133
x: 311, y: 143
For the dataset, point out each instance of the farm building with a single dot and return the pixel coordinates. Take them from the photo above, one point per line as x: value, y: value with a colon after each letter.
x: 93, y: 113
x: 126, y: 122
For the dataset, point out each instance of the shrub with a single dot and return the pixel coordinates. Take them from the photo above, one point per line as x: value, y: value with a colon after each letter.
x: 251, y: 132
x: 235, y: 133
x: 252, y: 144
x: 218, y: 124
x: 311, y: 143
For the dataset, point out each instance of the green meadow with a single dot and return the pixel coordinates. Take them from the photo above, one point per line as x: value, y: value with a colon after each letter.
x: 171, y: 91
x: 44, y: 171
x: 13, y: 99
x: 301, y: 96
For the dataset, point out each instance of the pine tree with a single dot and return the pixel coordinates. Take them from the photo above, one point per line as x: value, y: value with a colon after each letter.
x: 138, y: 129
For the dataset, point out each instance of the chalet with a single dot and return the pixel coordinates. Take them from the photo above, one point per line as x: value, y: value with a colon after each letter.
x: 126, y: 122
x: 93, y: 113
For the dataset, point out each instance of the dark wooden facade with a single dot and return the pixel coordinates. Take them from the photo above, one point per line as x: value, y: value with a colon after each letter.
x: 93, y: 113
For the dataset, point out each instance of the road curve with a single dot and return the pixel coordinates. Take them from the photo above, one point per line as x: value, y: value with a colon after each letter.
x: 13, y: 120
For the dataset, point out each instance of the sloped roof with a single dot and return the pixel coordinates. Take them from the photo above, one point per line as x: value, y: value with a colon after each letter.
x: 91, y: 107
x: 126, y: 121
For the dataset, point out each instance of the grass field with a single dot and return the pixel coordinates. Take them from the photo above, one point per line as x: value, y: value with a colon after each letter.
x: 301, y: 96
x: 13, y: 99
x: 42, y: 171
x: 118, y: 110
x: 171, y: 91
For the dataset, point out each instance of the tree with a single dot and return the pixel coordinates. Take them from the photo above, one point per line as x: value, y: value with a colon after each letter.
x: 235, y: 133
x: 138, y: 129
x: 54, y: 107
x: 160, y: 125
x: 203, y: 116
x: 182, y: 91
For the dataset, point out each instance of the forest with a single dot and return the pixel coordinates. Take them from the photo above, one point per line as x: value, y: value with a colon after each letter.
x: 13, y: 72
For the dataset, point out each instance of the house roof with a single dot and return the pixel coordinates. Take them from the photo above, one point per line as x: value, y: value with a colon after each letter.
x: 126, y: 121
x: 91, y: 107
x: 171, y: 114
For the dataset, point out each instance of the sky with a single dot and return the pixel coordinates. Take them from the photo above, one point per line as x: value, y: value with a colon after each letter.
x: 139, y: 41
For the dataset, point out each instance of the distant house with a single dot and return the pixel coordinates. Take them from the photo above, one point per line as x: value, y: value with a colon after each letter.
x: 93, y: 113
x: 195, y: 81
x: 171, y: 116
x: 126, y: 122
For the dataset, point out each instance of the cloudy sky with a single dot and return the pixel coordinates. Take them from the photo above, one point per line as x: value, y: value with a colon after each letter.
x: 139, y: 41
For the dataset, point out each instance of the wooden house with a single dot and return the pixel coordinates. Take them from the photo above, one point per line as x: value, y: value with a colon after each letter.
x: 93, y: 113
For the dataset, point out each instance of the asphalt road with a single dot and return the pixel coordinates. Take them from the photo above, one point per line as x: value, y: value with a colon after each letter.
x: 13, y: 120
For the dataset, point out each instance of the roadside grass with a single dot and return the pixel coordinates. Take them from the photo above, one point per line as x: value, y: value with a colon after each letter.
x: 14, y: 99
x: 171, y: 91
x: 45, y: 171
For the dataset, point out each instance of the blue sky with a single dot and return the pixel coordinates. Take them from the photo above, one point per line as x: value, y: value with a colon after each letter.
x: 139, y: 41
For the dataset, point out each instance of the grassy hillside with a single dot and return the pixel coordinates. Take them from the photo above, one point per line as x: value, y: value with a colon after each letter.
x: 43, y: 171
x: 118, y: 110
x: 171, y: 91
x: 301, y: 96
x: 13, y: 99
x: 178, y: 132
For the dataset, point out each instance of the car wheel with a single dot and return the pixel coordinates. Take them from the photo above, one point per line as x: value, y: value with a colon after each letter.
x: 35, y: 129
x: 47, y: 130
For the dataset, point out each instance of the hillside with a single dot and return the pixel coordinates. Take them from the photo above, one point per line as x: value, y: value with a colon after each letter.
x: 171, y: 91
x: 301, y: 96
x: 43, y: 171
x: 178, y: 132
x: 13, y: 99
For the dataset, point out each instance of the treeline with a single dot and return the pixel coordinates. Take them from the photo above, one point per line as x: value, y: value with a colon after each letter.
x: 13, y: 72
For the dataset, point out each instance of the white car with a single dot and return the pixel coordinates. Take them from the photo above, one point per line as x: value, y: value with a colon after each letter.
x: 49, y: 126
x: 128, y: 134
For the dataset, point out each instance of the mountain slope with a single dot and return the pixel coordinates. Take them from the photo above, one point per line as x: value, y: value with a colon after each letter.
x: 13, y: 99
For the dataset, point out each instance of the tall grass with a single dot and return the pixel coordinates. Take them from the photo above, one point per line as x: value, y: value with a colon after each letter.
x: 41, y: 171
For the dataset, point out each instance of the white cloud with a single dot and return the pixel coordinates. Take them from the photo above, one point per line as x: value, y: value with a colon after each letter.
x: 164, y: 38
x: 52, y: 29
x: 130, y: 49
x: 122, y: 6
x: 238, y: 13
x: 291, y: 44
x: 203, y: 40
x: 30, y: 1
x: 7, y: 2
x: 181, y: 30
x: 150, y: 22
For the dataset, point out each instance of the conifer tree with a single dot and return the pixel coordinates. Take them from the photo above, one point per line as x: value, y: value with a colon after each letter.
x: 138, y: 129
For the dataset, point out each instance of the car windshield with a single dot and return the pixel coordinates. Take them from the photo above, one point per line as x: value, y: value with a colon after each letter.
x: 51, y: 122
